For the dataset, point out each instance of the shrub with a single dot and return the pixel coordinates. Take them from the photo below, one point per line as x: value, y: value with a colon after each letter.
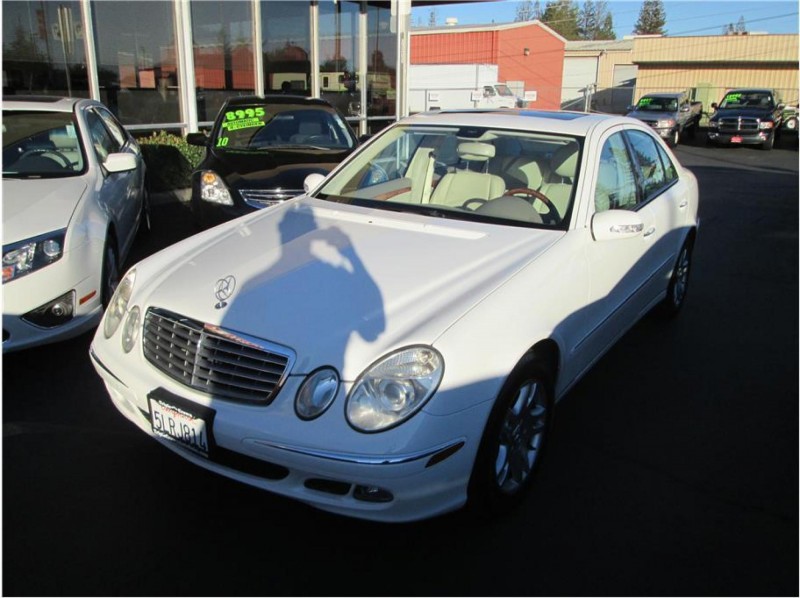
x: 170, y: 160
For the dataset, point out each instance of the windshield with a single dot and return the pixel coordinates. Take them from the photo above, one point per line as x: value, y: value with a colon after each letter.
x: 504, y: 90
x: 652, y: 104
x: 261, y: 126
x: 40, y: 145
x: 747, y: 99
x: 469, y: 173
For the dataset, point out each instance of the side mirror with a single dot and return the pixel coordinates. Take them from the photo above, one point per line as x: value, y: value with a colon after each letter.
x: 781, y: 106
x: 714, y: 105
x: 616, y: 224
x: 685, y: 108
x: 197, y: 139
x: 631, y: 108
x: 120, y: 162
x: 313, y: 181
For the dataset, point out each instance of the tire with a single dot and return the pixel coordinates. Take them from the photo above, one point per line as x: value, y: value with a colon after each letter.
x: 678, y: 284
x: 791, y: 124
x: 767, y: 145
x: 110, y: 275
x: 676, y: 137
x: 514, y: 440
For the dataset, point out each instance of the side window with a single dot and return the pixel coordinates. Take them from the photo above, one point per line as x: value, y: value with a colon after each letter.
x: 616, y: 181
x: 670, y: 172
x: 102, y: 141
x: 645, y: 151
x: 113, y: 126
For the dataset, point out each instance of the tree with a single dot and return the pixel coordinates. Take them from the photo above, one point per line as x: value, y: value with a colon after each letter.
x: 524, y: 11
x: 595, y: 22
x: 432, y: 18
x: 562, y: 17
x: 652, y: 18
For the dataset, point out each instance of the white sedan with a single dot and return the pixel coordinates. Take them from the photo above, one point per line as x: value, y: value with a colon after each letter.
x: 391, y: 345
x: 73, y: 199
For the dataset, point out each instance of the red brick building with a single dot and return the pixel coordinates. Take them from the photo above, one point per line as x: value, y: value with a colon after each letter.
x: 528, y: 52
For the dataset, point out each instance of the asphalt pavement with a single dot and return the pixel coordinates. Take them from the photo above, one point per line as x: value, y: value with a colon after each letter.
x: 672, y: 470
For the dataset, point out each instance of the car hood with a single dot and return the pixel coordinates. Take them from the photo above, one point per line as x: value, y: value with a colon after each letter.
x: 272, y: 169
x: 35, y: 206
x: 340, y: 285
x: 744, y: 112
x: 651, y: 115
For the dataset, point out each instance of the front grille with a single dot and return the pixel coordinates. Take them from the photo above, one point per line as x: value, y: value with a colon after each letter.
x: 263, y: 198
x: 738, y: 125
x: 651, y: 123
x: 218, y: 362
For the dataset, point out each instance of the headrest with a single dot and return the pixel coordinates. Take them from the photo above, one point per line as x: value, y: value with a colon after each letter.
x: 565, y: 161
x: 475, y: 151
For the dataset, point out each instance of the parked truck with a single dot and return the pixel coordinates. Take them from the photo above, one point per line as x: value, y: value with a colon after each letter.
x: 746, y: 117
x: 670, y: 114
x: 457, y: 86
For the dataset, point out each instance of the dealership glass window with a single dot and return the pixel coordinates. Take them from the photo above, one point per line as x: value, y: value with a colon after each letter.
x: 286, y: 43
x: 43, y: 49
x: 222, y: 35
x: 137, y: 60
x: 338, y: 56
x: 381, y: 67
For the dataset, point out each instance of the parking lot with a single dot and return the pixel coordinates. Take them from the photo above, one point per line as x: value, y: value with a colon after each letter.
x: 673, y: 468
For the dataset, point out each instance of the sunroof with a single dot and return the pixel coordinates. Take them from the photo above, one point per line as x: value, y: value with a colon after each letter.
x: 553, y: 115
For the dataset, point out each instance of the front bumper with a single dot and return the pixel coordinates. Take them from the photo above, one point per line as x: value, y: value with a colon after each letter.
x: 423, y: 466
x: 739, y: 138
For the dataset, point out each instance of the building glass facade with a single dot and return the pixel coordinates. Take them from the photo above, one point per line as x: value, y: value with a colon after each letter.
x: 170, y: 64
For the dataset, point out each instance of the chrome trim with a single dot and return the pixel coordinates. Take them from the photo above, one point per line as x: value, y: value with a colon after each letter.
x: 93, y: 356
x: 263, y: 198
x: 363, y: 459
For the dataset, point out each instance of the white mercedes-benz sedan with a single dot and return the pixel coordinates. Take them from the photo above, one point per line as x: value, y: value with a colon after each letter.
x: 73, y: 199
x: 391, y: 344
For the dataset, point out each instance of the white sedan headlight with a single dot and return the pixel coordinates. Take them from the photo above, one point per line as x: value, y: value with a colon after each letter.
x: 394, y: 388
x: 28, y: 256
x: 213, y: 189
x: 119, y: 304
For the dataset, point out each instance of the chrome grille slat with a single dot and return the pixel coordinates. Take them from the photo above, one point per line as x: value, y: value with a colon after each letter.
x: 263, y: 198
x: 735, y: 125
x: 214, y: 361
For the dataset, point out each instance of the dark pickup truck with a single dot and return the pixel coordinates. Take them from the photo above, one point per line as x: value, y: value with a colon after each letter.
x: 746, y: 117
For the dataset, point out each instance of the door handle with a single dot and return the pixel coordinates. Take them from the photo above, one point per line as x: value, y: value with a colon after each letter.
x: 683, y: 203
x: 649, y: 231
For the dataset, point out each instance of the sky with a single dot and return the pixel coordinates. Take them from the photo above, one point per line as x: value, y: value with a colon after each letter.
x: 684, y: 17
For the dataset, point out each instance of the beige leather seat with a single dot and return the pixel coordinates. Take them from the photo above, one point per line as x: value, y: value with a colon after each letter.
x: 517, y: 169
x: 563, y: 165
x: 67, y: 146
x: 455, y: 188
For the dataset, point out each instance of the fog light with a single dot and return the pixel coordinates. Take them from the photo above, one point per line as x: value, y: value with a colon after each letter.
x: 372, y: 494
x: 54, y: 313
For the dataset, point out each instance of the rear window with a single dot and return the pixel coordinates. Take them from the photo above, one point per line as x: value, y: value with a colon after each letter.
x: 261, y: 126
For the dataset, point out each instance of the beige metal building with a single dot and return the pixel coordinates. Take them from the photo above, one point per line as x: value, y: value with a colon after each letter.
x: 638, y: 65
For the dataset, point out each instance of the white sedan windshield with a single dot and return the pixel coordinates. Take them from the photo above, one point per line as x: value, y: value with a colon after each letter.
x: 512, y: 177
x: 40, y: 145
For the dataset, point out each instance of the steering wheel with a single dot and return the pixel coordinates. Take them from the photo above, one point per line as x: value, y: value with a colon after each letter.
x: 476, y: 200
x: 551, y: 216
x: 47, y: 153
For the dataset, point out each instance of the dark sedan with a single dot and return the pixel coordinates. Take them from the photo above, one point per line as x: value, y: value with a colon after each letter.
x: 260, y: 151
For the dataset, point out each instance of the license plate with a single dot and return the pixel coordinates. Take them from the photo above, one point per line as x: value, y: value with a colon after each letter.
x: 179, y: 421
x: 736, y: 139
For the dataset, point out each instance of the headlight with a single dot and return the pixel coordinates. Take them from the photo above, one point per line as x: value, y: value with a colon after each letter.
x: 663, y: 124
x: 213, y: 189
x: 130, y: 331
x: 28, y: 256
x: 394, y: 388
x: 317, y: 393
x: 118, y: 304
x: 766, y: 124
x: 713, y: 124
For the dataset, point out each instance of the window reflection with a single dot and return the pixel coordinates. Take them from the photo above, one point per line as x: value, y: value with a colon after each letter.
x: 338, y: 55
x: 43, y: 49
x: 137, y: 63
x: 382, y: 61
x: 223, y: 53
x: 286, y: 43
